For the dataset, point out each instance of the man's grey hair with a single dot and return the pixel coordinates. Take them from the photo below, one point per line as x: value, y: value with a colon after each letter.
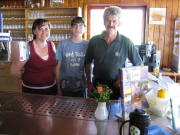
x: 112, y: 11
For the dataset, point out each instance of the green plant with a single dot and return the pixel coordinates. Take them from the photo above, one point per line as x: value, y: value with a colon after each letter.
x: 101, y: 93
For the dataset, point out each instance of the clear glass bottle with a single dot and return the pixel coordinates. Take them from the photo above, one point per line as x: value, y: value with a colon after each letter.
x: 51, y: 3
x: 42, y: 3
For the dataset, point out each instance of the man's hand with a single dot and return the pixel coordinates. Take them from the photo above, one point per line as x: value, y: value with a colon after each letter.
x: 90, y: 88
x: 59, y: 91
x: 88, y: 75
x: 116, y: 84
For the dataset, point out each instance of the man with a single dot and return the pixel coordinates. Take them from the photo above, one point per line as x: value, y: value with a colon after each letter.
x: 108, y: 52
x: 70, y: 54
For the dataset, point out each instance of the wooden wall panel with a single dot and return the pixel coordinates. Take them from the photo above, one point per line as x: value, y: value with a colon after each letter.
x: 156, y: 31
x: 156, y: 27
x: 152, y: 4
x: 167, y: 45
x: 134, y: 2
x: 179, y: 9
x: 126, y: 2
x: 81, y: 3
x: 162, y: 34
x: 73, y: 3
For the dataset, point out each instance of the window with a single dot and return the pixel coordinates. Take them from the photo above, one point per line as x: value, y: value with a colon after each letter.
x: 132, y: 26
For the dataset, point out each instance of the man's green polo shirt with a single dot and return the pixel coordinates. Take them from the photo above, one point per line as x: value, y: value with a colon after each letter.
x: 109, y: 58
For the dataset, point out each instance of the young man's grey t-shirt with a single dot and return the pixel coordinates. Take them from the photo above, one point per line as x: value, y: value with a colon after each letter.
x: 72, y: 57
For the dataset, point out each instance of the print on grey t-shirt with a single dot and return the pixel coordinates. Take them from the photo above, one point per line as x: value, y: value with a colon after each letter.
x: 72, y: 56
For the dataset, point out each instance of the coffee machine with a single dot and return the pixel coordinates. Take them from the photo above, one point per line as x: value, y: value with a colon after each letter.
x: 150, y: 56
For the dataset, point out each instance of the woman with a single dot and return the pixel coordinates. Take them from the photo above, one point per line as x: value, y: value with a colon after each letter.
x: 39, y: 70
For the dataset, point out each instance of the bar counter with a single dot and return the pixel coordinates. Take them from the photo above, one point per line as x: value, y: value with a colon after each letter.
x: 28, y: 114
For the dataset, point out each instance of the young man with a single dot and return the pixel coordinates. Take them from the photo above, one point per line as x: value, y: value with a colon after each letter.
x: 70, y: 70
x: 109, y: 52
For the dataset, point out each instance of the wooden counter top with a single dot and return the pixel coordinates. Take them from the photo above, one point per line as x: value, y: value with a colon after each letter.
x: 28, y: 114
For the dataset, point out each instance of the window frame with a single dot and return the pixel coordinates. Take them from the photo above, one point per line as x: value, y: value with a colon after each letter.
x: 143, y: 8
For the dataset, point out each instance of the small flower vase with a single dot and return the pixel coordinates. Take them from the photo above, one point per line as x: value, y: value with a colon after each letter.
x: 101, y: 112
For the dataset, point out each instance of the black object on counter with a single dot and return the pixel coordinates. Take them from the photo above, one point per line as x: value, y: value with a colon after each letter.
x: 138, y: 123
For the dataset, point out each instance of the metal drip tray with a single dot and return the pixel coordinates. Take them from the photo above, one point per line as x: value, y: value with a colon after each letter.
x: 48, y: 105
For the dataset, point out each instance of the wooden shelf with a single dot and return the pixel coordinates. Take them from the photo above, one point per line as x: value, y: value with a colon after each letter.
x: 61, y: 16
x: 15, y: 29
x: 55, y: 30
x: 52, y: 19
x: 11, y: 8
x: 11, y: 21
x: 12, y: 16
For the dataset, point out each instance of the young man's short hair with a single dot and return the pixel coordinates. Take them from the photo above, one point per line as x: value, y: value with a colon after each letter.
x: 77, y: 19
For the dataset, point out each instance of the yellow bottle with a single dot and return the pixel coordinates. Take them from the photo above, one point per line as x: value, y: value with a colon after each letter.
x: 162, y: 93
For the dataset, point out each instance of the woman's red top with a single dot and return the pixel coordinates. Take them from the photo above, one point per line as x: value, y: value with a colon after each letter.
x: 37, y: 71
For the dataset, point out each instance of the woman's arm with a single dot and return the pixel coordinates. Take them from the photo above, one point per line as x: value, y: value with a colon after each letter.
x: 53, y: 46
x: 16, y: 68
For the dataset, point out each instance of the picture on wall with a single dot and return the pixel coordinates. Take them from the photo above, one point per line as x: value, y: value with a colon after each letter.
x: 157, y: 15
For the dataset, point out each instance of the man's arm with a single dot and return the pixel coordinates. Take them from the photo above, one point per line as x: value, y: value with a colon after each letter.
x: 134, y: 56
x: 58, y: 68
x: 88, y: 75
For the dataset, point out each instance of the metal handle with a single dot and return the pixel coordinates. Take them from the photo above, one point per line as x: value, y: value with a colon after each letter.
x: 120, y: 130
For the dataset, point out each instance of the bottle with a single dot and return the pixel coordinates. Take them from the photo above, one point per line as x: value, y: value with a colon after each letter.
x: 156, y: 71
x: 51, y: 3
x: 42, y: 3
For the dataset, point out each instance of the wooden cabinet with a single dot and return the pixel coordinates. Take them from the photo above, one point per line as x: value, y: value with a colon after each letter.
x: 19, y: 21
x: 7, y: 81
x: 60, y: 19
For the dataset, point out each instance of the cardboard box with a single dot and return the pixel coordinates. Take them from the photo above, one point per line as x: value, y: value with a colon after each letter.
x: 132, y: 81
